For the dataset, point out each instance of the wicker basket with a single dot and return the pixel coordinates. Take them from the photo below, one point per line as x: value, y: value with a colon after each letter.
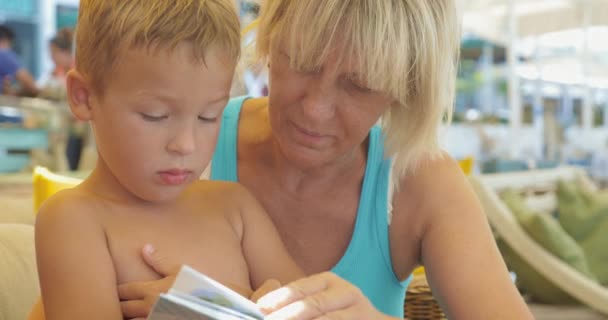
x: 419, y: 301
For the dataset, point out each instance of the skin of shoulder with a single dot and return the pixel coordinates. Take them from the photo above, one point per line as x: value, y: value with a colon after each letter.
x: 221, y: 194
x: 72, y: 258
x: 265, y: 254
x: 439, y: 220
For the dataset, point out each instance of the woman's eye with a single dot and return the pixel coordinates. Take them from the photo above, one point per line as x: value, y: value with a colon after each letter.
x: 361, y: 88
x: 358, y: 86
x: 153, y: 118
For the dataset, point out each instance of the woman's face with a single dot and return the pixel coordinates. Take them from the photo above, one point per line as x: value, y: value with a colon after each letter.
x: 320, y: 116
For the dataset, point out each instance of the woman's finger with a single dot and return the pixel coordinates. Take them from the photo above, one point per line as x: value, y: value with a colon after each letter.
x: 295, y: 291
x: 344, y: 314
x: 319, y: 304
x: 266, y: 287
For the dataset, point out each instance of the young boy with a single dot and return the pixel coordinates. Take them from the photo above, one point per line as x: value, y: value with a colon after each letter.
x: 152, y: 78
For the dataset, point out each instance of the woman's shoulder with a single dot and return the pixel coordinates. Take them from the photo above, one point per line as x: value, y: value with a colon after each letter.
x: 254, y: 126
x: 431, y: 172
x: 255, y: 104
x: 433, y: 187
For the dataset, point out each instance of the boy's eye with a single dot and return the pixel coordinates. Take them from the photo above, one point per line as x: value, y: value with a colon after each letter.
x: 207, y: 119
x: 153, y: 118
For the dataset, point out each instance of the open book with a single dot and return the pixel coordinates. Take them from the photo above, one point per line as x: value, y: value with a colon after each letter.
x: 195, y: 296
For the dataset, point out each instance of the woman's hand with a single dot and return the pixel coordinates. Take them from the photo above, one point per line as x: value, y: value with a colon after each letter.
x: 321, y: 296
x: 137, y: 298
x: 267, y: 287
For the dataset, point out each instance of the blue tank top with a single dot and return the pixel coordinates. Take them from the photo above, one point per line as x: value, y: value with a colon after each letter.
x: 367, y: 261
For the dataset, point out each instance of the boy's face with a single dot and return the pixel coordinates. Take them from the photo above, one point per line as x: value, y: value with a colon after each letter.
x: 157, y: 123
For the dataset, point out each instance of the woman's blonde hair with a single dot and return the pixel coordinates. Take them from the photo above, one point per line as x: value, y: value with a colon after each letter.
x: 108, y: 27
x: 405, y: 48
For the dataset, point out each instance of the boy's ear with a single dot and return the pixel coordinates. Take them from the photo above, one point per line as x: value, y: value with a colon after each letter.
x: 79, y: 95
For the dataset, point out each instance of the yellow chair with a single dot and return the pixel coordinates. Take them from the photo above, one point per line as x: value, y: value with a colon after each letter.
x: 418, y: 271
x: 466, y: 164
x: 47, y: 183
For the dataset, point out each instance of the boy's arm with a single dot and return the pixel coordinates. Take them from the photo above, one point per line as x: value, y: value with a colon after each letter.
x: 76, y: 272
x: 266, y: 255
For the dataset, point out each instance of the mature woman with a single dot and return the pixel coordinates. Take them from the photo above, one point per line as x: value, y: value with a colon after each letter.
x: 344, y: 156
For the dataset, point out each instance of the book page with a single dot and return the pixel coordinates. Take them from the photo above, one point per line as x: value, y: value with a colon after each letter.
x: 180, y: 307
x: 193, y: 283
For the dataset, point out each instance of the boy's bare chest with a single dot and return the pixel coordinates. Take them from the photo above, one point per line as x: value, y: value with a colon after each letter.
x: 207, y: 243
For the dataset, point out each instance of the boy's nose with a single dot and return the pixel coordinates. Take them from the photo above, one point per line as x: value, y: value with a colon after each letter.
x: 183, y: 143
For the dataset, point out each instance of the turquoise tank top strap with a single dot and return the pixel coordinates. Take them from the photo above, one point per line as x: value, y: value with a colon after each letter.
x: 367, y: 261
x: 223, y: 164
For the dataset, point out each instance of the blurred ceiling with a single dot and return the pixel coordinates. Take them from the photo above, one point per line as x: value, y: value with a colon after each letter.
x: 489, y: 18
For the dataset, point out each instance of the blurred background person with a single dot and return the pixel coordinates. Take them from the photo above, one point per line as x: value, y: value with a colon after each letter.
x: 11, y: 69
x: 62, y: 55
x: 60, y: 49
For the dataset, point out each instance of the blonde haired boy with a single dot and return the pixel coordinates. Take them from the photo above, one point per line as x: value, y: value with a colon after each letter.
x: 152, y: 78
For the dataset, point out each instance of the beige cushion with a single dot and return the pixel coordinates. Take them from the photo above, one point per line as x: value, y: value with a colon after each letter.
x: 16, y: 202
x: 16, y: 210
x: 19, y: 287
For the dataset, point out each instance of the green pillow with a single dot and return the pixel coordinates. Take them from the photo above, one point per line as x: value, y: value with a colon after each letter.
x: 595, y: 246
x: 579, y: 210
x: 584, y: 214
x: 531, y: 282
x: 547, y: 231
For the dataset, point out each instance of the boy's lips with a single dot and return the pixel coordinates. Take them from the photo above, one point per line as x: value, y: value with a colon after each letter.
x: 175, y: 176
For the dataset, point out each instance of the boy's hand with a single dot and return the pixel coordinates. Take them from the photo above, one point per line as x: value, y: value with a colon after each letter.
x: 137, y: 298
x: 266, y: 287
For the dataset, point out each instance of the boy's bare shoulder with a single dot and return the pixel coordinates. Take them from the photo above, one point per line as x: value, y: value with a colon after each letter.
x: 71, y: 206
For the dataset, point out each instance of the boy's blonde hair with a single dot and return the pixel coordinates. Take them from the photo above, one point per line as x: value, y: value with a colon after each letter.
x: 405, y: 48
x: 108, y: 27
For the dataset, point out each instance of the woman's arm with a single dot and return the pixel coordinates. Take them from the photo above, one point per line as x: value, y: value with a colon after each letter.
x: 76, y: 272
x: 463, y: 265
